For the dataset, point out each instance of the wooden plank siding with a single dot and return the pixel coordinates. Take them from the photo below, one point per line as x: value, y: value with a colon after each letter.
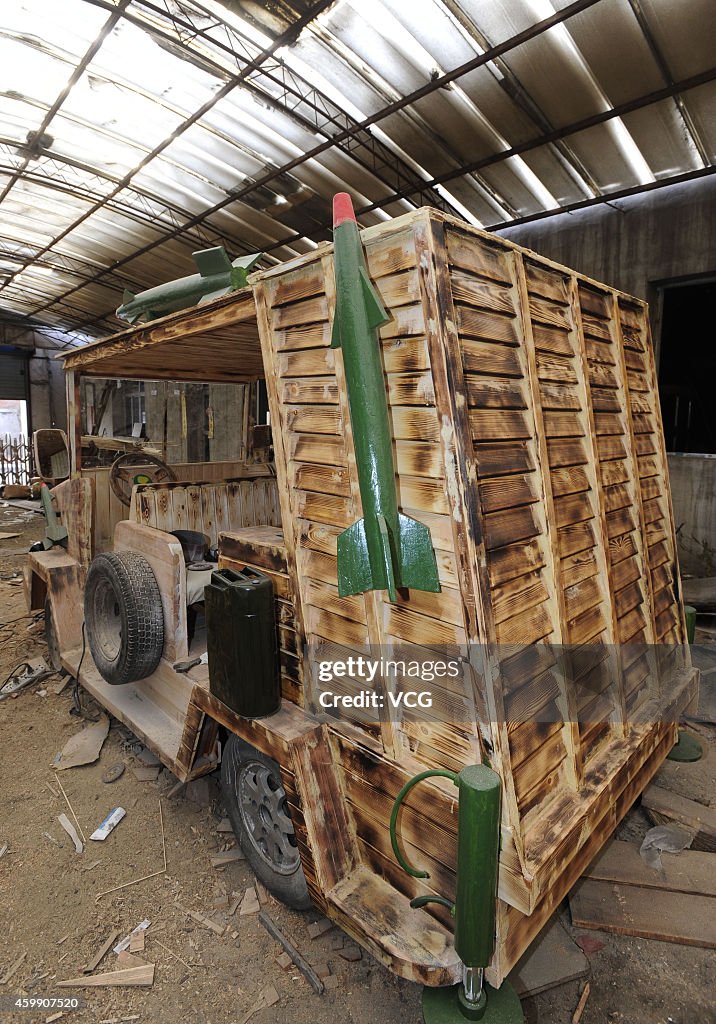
x: 526, y: 436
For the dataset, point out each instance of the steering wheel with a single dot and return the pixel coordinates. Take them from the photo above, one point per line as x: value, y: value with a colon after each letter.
x: 137, y: 468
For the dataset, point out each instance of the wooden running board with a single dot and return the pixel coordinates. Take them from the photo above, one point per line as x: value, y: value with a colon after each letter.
x: 410, y: 942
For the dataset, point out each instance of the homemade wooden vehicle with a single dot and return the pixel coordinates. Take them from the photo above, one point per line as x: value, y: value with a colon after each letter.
x: 527, y: 438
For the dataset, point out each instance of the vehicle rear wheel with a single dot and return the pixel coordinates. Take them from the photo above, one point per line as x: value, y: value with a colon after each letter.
x: 256, y: 804
x: 124, y: 619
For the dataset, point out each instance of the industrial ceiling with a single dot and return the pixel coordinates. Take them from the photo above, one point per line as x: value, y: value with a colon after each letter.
x: 133, y: 132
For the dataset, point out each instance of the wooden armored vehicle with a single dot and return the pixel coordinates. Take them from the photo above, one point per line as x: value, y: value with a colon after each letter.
x: 526, y: 438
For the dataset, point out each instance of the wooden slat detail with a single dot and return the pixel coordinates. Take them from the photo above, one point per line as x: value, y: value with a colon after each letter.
x: 652, y: 477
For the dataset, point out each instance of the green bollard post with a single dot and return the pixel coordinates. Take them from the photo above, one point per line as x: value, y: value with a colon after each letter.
x: 478, y: 847
x: 687, y: 748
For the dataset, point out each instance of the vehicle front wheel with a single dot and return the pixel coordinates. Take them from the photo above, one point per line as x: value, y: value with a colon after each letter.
x: 256, y: 804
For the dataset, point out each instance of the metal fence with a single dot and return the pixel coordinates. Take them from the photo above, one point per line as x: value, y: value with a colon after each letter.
x: 15, y: 460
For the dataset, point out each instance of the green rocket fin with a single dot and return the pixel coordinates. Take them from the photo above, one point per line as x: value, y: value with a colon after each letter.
x: 418, y: 568
x: 375, y: 309
x: 354, y: 571
x: 247, y: 262
x: 212, y: 261
x: 127, y: 296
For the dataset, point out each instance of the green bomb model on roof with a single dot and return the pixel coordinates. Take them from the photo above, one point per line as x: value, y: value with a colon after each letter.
x: 217, y: 276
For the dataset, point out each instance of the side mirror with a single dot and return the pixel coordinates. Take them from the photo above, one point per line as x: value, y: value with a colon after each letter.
x: 52, y: 455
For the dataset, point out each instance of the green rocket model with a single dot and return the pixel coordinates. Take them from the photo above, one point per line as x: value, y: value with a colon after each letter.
x: 385, y: 550
x: 217, y: 276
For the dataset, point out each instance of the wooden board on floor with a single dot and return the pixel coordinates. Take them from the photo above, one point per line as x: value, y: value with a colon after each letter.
x: 689, y: 871
x: 553, y: 959
x: 679, y: 917
x: 662, y: 806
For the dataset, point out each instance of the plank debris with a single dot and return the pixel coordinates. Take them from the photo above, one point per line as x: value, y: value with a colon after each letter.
x: 679, y: 917
x: 689, y: 871
x: 219, y: 860
x: 250, y: 903
x: 134, y: 977
x: 296, y: 957
x: 12, y: 969
x: 318, y: 928
x: 124, y: 943
x: 92, y: 964
x: 202, y: 920
x: 662, y: 806
x: 553, y: 959
x: 577, y: 1015
x: 268, y: 997
x: 127, y: 959
x: 71, y: 832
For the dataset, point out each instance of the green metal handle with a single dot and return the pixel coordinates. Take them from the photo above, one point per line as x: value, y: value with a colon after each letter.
x: 421, y: 901
x: 431, y: 773
x: 478, y: 850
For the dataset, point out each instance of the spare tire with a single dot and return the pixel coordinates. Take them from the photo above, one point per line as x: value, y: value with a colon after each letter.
x: 124, y: 620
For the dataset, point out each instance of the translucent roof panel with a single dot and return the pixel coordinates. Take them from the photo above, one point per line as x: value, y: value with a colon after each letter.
x: 134, y: 132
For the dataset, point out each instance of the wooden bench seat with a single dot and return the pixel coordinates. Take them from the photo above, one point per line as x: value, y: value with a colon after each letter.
x: 211, y: 508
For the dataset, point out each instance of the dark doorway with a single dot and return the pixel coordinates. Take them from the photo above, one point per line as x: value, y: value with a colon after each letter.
x: 687, y: 367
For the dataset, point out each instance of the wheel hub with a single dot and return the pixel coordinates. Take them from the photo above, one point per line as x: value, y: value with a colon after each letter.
x: 262, y: 803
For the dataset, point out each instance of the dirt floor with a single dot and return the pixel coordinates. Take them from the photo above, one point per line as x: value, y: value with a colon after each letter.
x: 52, y: 917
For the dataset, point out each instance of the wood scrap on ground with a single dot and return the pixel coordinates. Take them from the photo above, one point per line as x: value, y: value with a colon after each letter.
x: 268, y: 997
x: 124, y: 943
x: 320, y: 927
x: 12, y: 969
x: 71, y: 832
x: 577, y: 1015
x: 690, y: 871
x: 296, y: 957
x: 92, y: 964
x: 219, y: 860
x: 553, y: 959
x: 126, y: 959
x: 250, y: 903
x: 663, y: 806
x: 218, y: 929
x: 134, y: 977
x: 680, y: 917
x: 72, y: 812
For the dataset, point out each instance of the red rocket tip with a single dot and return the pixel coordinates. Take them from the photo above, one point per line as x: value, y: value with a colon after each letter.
x: 342, y: 208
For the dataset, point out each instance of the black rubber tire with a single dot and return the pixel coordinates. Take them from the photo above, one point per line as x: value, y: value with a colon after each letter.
x: 239, y: 759
x: 124, y: 620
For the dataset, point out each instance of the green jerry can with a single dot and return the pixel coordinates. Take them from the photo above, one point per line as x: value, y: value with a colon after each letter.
x: 241, y: 632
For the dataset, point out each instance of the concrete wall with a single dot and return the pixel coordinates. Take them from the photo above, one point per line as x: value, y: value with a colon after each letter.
x: 634, y: 243
x: 693, y: 493
x: 48, y: 407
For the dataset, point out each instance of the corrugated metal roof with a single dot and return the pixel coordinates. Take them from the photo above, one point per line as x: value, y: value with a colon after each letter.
x: 133, y: 132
